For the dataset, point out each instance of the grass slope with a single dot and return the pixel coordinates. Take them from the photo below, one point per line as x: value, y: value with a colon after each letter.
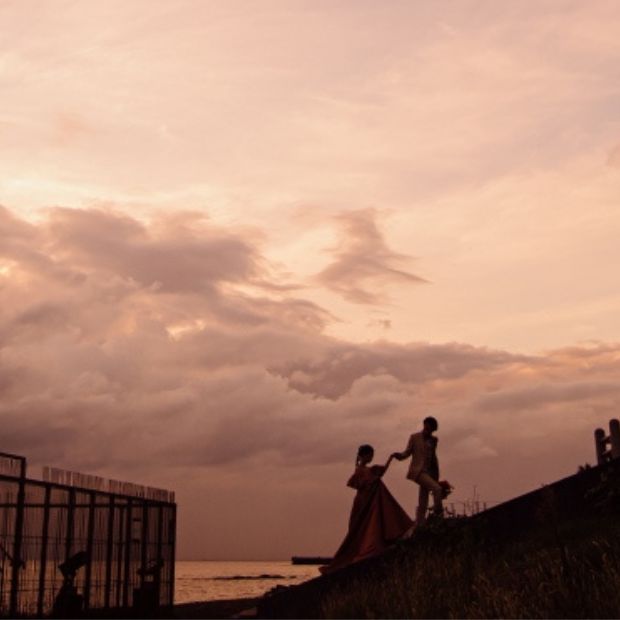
x: 552, y: 553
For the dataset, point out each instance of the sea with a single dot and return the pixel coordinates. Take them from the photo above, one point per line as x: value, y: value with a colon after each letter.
x: 213, y: 581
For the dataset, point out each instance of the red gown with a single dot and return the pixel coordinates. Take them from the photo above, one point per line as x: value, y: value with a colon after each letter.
x: 377, y: 519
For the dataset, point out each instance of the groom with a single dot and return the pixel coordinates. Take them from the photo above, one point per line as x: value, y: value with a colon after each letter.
x: 424, y: 467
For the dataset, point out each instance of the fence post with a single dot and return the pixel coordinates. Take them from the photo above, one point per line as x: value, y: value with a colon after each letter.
x: 121, y: 550
x: 17, y: 546
x: 128, y: 550
x: 108, y: 554
x: 173, y: 527
x: 160, y: 533
x: 70, y: 520
x: 614, y: 438
x: 599, y: 443
x: 44, y: 541
x: 143, y: 548
x: 89, y: 548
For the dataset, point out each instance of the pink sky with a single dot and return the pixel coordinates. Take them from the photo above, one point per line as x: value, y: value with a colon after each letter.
x: 237, y: 239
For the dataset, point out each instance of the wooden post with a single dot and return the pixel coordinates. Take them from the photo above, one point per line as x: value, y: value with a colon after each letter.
x: 614, y: 438
x: 599, y: 443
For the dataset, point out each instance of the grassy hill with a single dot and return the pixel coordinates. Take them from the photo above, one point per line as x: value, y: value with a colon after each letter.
x: 552, y: 553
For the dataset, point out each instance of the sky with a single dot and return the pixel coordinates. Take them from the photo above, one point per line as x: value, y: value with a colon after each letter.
x: 239, y: 239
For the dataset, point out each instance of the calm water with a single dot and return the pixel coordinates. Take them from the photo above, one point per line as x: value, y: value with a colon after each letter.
x: 210, y: 581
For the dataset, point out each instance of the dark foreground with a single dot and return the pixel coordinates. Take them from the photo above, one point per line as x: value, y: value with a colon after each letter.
x: 552, y: 553
x: 234, y: 608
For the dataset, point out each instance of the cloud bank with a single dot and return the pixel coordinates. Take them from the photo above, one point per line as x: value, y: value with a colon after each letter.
x: 167, y: 352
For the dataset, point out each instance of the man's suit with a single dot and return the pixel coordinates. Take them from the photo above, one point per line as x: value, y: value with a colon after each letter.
x: 424, y: 469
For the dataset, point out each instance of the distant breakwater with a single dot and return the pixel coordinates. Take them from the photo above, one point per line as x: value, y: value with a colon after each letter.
x: 250, y: 577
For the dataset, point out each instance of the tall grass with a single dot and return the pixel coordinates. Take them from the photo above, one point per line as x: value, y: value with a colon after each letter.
x: 574, y: 573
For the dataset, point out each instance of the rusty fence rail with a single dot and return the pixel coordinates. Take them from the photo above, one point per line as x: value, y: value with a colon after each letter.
x: 72, y: 544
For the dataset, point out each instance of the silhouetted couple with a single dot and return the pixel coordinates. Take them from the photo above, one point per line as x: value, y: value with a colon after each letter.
x: 377, y: 519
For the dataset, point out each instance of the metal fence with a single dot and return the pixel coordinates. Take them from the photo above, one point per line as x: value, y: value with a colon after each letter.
x: 71, y: 544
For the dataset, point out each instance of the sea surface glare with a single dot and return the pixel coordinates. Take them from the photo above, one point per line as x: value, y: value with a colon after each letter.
x: 213, y: 581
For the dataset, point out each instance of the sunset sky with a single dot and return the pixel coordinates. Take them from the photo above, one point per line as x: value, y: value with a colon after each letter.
x: 238, y: 239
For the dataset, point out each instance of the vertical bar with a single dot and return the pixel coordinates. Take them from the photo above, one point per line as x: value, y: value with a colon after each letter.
x: 44, y: 542
x: 119, y: 556
x: 17, y: 543
x: 599, y: 443
x: 614, y: 438
x: 70, y: 523
x: 128, y: 550
x: 173, y: 540
x: 108, y: 554
x: 89, y: 547
x: 160, y: 533
x: 144, y: 601
x: 5, y: 533
x: 144, y: 541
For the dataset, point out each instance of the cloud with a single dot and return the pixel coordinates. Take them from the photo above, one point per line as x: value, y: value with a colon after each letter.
x: 472, y: 447
x: 168, y: 349
x: 166, y: 352
x: 177, y: 253
x: 613, y: 158
x: 385, y: 324
x: 364, y: 264
x: 334, y: 374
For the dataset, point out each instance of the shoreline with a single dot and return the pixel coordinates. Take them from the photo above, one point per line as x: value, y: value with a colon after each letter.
x: 224, y: 608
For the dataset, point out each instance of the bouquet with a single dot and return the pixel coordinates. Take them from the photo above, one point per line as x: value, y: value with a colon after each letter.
x: 446, y: 487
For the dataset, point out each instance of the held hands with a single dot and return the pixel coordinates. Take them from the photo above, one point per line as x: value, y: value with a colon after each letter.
x: 387, y: 464
x: 379, y: 470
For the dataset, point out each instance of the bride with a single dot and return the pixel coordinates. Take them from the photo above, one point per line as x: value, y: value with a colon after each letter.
x: 376, y: 520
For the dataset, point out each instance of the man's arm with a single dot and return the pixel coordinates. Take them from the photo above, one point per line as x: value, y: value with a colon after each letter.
x: 408, y: 451
x: 435, y: 460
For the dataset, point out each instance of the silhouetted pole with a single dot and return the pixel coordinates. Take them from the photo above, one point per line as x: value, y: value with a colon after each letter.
x: 17, y: 543
x: 44, y: 542
x: 92, y: 507
x: 109, y: 553
x: 128, y: 553
x: 599, y: 441
x: 614, y: 438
